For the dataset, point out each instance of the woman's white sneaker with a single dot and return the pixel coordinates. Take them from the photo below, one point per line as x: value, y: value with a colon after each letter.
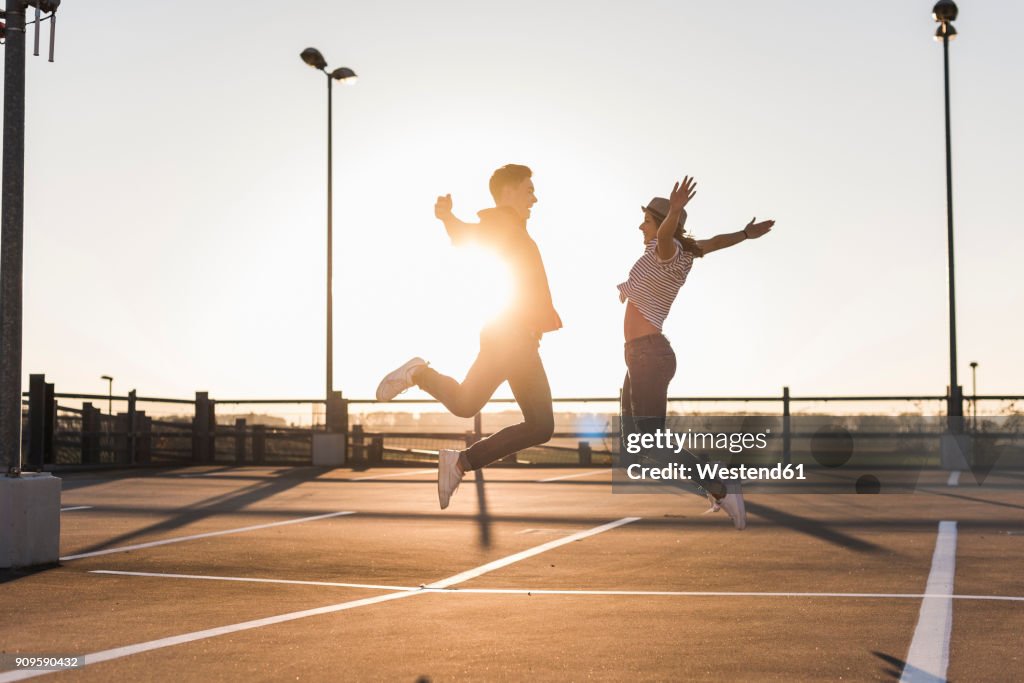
x: 398, y: 380
x: 449, y: 475
x: 732, y: 503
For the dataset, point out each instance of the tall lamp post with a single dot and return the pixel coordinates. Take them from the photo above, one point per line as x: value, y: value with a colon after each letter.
x: 974, y: 393
x: 312, y: 57
x: 12, y: 226
x: 110, y: 393
x: 945, y: 13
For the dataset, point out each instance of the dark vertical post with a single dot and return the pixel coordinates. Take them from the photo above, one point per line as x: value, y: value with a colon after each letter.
x: 38, y: 414
x: 956, y: 403
x: 12, y: 237
x: 259, y: 444
x: 357, y: 442
x: 211, y: 436
x: 239, y: 440
x: 787, y: 435
x: 133, y: 426
x: 119, y: 439
x: 50, y: 426
x: 90, y: 434
x: 330, y: 244
x: 143, y: 438
x: 585, y: 453
x: 337, y: 413
x: 201, y: 429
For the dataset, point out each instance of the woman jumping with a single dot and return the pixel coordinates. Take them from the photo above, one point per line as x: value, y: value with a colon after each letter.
x: 654, y: 281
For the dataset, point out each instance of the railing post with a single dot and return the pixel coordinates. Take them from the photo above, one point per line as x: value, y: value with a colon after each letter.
x: 585, y: 452
x: 787, y: 451
x: 144, y: 441
x: 49, y: 457
x: 119, y: 438
x: 201, y: 429
x: 211, y: 437
x: 376, y: 450
x: 90, y: 434
x: 239, y: 441
x: 259, y: 444
x: 357, y: 442
x: 133, y: 426
x: 37, y: 419
x: 337, y: 414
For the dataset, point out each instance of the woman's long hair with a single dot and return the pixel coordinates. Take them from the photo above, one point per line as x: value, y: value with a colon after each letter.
x: 689, y: 244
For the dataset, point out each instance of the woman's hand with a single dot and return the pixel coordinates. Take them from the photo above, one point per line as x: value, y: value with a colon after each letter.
x: 681, y: 194
x: 755, y: 230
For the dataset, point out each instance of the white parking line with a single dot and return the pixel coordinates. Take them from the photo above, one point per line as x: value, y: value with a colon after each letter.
x: 77, y: 507
x: 542, y: 591
x: 116, y: 653
x: 395, y: 474
x: 571, y: 476
x: 536, y: 550
x: 954, y: 478
x: 255, y: 580
x: 928, y: 657
x: 179, y: 539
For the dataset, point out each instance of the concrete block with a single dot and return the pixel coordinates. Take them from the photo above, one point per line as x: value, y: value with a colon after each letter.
x: 29, y: 520
x: 329, y: 450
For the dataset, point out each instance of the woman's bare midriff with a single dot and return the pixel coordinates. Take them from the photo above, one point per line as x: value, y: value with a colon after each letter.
x: 636, y: 325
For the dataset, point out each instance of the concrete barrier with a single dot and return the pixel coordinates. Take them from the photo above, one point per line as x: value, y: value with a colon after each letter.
x: 29, y: 520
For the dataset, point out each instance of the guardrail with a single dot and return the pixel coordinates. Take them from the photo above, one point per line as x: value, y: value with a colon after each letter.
x: 58, y: 436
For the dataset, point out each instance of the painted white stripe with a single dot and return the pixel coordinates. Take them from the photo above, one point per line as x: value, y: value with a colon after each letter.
x: 571, y: 476
x: 928, y: 657
x: 720, y: 594
x: 396, y: 474
x: 179, y: 539
x: 247, y: 579
x: 535, y: 591
x: 77, y: 507
x: 551, y: 545
x: 116, y: 653
x: 954, y: 478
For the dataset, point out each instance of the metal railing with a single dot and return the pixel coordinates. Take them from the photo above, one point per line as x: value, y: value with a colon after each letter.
x: 58, y: 435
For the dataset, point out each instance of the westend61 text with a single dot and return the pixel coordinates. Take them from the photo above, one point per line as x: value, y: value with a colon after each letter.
x: 705, y: 471
x: 677, y: 441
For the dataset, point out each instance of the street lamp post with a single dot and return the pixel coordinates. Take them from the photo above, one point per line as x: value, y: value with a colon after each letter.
x: 974, y: 393
x: 312, y: 57
x: 12, y: 227
x: 110, y: 393
x: 945, y: 13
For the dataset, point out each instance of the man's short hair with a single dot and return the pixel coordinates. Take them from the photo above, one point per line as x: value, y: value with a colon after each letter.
x: 507, y: 175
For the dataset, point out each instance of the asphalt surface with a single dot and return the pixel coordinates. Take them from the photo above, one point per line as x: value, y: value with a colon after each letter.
x: 231, y: 574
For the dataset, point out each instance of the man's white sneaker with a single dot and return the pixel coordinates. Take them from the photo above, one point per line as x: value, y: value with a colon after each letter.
x: 398, y: 380
x: 449, y: 475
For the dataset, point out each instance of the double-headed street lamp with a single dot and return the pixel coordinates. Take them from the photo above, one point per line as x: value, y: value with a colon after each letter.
x: 945, y: 13
x: 347, y: 76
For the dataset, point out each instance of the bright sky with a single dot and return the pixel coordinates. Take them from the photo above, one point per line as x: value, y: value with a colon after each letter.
x: 175, y: 190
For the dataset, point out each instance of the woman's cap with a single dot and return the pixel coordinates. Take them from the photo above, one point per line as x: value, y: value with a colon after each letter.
x: 659, y: 206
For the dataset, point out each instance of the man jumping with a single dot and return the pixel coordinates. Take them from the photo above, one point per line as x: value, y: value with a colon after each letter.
x: 509, y: 346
